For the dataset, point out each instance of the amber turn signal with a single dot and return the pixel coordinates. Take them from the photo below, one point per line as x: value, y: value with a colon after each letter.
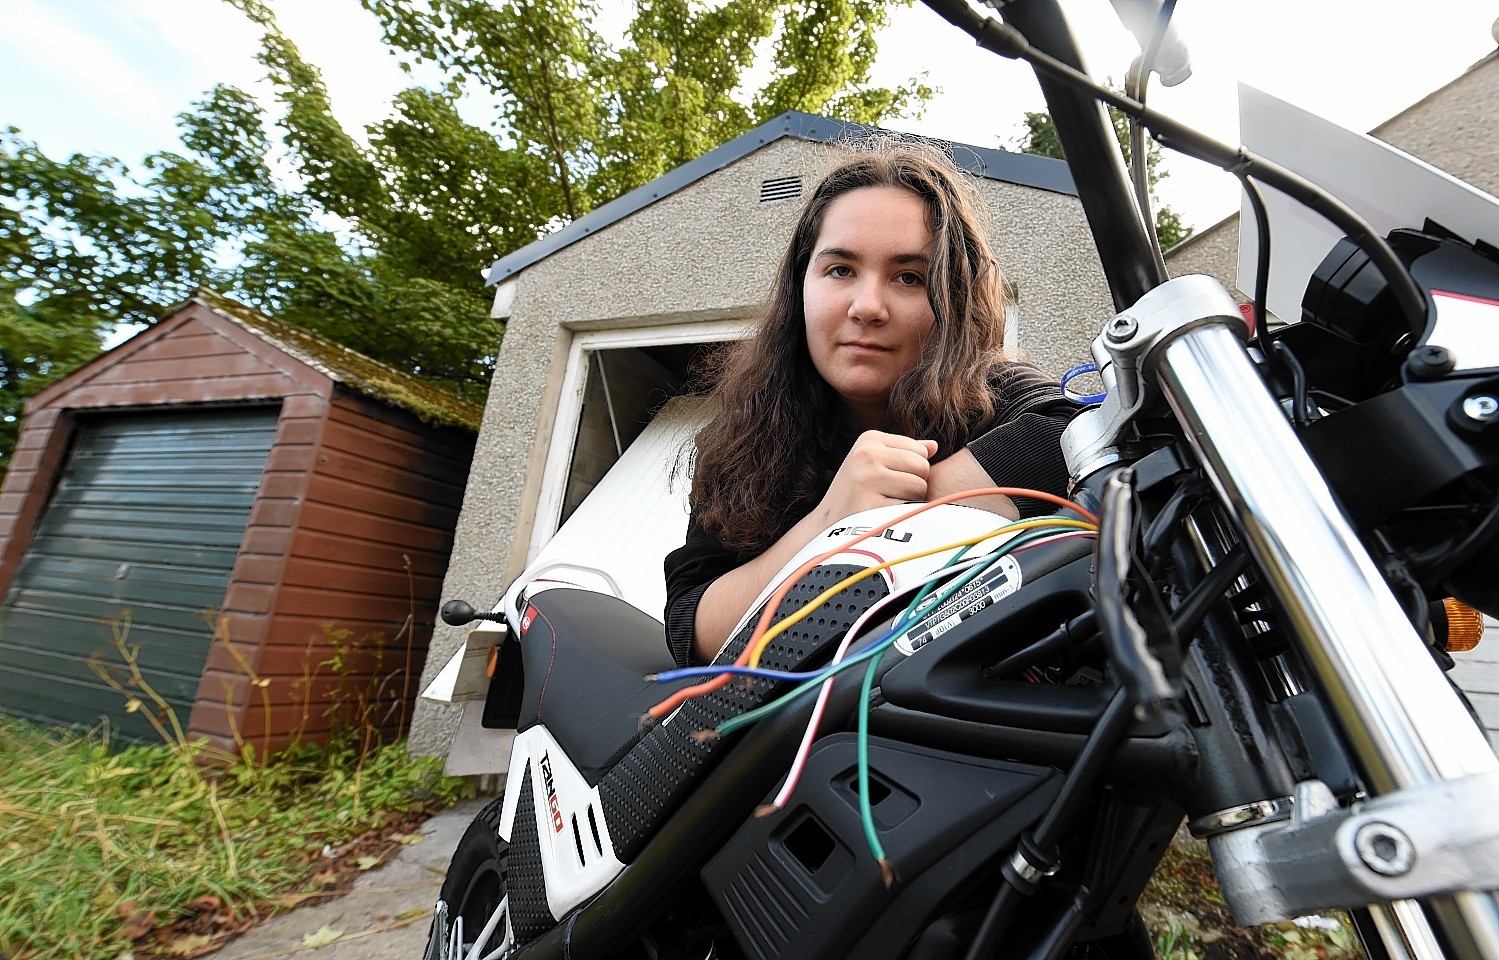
x: 1464, y: 626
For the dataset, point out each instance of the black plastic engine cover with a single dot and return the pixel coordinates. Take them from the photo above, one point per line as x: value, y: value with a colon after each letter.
x: 801, y: 883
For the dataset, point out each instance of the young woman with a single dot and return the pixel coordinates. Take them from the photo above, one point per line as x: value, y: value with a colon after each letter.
x: 877, y: 377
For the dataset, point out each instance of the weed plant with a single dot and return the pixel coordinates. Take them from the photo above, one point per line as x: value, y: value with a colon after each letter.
x: 94, y: 839
x: 101, y: 843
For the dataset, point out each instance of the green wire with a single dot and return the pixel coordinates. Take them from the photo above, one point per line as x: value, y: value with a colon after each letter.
x: 866, y: 813
x: 807, y: 686
x: 929, y: 586
x: 903, y: 624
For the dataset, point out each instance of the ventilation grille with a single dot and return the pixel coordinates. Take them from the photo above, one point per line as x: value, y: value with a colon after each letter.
x: 780, y: 188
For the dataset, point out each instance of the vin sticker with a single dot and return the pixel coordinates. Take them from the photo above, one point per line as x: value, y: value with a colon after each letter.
x: 998, y: 583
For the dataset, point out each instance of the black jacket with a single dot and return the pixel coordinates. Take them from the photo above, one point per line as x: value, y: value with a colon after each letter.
x: 1022, y: 449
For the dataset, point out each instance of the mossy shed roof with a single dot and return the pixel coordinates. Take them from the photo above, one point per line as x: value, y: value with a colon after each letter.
x: 432, y: 404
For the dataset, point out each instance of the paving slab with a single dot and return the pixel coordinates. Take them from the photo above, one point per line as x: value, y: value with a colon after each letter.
x: 376, y: 919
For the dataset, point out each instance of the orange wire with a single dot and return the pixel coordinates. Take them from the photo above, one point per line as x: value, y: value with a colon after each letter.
x: 808, y: 608
x: 722, y: 680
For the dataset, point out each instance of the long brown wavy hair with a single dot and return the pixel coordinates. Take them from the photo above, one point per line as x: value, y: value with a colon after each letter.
x: 781, y: 432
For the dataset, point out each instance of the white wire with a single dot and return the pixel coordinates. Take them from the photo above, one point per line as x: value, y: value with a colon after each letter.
x: 793, y: 777
x: 810, y: 736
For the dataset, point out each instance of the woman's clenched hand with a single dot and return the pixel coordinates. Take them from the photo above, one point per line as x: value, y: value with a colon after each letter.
x: 881, y: 469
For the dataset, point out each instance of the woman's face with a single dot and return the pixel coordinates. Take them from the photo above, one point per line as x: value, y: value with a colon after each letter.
x: 865, y: 296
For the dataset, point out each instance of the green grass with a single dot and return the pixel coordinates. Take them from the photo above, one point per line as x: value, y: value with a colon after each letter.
x: 91, y: 835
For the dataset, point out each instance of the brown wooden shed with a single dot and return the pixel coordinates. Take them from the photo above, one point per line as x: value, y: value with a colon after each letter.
x: 243, y: 500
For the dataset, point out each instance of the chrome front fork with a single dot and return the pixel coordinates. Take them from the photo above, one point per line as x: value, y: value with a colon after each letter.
x: 1407, y: 730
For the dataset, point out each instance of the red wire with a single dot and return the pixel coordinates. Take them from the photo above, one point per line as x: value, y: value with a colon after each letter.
x: 717, y: 683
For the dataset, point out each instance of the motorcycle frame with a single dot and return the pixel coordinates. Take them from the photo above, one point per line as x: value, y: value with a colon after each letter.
x: 1318, y: 572
x: 1406, y: 731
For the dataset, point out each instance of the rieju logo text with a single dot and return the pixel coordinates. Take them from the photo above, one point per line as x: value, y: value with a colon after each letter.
x: 860, y: 531
x: 552, y: 805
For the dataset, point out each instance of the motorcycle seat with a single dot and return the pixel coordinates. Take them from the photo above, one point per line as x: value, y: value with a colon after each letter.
x: 585, y: 657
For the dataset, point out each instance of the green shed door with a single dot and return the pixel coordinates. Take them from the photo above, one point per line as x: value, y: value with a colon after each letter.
x: 142, y: 531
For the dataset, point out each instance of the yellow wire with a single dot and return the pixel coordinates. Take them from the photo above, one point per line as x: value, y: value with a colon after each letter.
x: 811, y: 605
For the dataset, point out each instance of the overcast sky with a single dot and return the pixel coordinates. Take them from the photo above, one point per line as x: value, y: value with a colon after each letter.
x: 109, y: 76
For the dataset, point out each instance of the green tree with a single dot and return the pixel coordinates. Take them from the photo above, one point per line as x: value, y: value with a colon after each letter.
x: 1041, y: 138
x: 88, y: 244
x: 82, y: 248
x: 382, y: 242
x: 578, y: 120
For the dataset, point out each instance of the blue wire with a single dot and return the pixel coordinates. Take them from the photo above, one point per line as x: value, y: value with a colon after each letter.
x: 688, y: 673
x: 897, y: 629
x: 900, y: 626
x: 1073, y: 374
x: 878, y: 647
x: 764, y: 673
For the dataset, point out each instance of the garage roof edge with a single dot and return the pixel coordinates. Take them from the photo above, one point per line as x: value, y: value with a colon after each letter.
x: 354, y: 370
x: 1042, y: 173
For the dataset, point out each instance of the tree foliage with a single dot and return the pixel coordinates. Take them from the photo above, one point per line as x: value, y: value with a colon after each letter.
x: 1041, y: 138
x: 381, y: 239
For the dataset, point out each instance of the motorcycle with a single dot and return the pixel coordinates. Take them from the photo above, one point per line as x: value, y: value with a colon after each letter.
x: 938, y: 733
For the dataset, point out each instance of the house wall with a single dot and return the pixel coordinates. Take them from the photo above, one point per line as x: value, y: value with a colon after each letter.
x: 706, y: 252
x: 40, y: 450
x: 1213, y: 251
x: 1455, y: 128
x: 349, y: 569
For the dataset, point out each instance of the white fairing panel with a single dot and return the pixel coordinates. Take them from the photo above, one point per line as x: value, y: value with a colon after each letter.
x: 1387, y: 187
x: 577, y: 856
x: 932, y: 528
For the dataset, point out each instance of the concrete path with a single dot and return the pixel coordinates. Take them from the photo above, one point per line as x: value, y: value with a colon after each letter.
x: 378, y: 919
x: 1477, y: 672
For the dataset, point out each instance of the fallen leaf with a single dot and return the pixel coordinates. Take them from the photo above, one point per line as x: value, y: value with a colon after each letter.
x: 324, y: 877
x: 409, y: 839
x: 366, y: 863
x: 138, y: 923
x: 322, y: 937
x: 187, y: 946
x: 405, y: 916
